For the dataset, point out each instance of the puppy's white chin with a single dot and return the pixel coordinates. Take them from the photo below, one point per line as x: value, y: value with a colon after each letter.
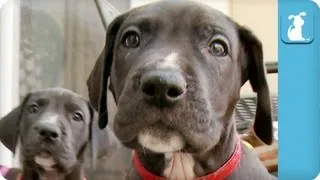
x: 45, y: 161
x: 172, y: 144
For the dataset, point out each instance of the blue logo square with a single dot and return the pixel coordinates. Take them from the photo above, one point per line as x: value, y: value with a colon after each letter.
x: 297, y: 27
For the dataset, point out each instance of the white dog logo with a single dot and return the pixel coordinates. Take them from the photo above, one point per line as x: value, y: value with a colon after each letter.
x: 295, y: 30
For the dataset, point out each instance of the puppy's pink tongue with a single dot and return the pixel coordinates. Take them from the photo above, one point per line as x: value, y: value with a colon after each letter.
x: 180, y: 166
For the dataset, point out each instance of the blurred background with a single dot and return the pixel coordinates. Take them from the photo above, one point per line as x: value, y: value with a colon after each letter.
x: 46, y: 43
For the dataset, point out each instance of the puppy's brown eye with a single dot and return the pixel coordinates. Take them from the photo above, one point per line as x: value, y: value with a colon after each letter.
x: 77, y: 116
x: 219, y: 48
x: 32, y: 109
x: 131, y: 40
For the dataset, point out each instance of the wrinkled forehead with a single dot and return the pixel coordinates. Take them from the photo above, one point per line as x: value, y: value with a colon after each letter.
x: 59, y: 100
x: 183, y: 14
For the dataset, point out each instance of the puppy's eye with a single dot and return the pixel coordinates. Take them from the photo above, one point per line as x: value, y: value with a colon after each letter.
x: 32, y: 109
x: 77, y: 116
x: 131, y: 40
x: 218, y: 47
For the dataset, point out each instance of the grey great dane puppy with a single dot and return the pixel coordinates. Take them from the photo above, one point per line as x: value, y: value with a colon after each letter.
x: 176, y: 69
x: 54, y: 127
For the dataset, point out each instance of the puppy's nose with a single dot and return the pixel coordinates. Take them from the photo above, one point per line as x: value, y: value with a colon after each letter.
x: 163, y: 86
x: 47, y: 130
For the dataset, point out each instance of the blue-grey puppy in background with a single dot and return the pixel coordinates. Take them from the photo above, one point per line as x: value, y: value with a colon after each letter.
x: 54, y: 129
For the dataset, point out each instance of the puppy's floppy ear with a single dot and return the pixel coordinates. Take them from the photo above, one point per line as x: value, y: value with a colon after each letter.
x: 302, y: 14
x: 95, y: 79
x: 290, y: 17
x: 103, y: 142
x: 254, y: 70
x: 9, y: 126
x: 98, y: 79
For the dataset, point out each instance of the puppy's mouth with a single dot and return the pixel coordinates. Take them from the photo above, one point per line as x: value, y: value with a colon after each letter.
x: 161, y: 141
x: 45, y: 160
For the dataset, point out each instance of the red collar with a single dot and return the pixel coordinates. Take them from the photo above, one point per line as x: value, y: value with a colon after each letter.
x: 220, y: 174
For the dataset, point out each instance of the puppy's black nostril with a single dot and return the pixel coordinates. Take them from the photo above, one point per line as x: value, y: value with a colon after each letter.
x: 54, y: 135
x: 149, y: 89
x: 47, y: 130
x: 175, y: 92
x: 163, y: 87
x: 48, y: 134
x: 42, y: 133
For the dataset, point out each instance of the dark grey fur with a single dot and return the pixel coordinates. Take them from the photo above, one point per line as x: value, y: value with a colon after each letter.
x: 203, y: 114
x: 73, y: 136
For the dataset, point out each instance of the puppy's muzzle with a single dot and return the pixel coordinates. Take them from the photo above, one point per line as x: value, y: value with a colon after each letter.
x: 163, y: 87
x: 47, y: 131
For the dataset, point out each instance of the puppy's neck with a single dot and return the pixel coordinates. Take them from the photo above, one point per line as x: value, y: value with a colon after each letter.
x: 32, y: 174
x: 215, y: 158
x: 190, y: 166
x: 51, y: 175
